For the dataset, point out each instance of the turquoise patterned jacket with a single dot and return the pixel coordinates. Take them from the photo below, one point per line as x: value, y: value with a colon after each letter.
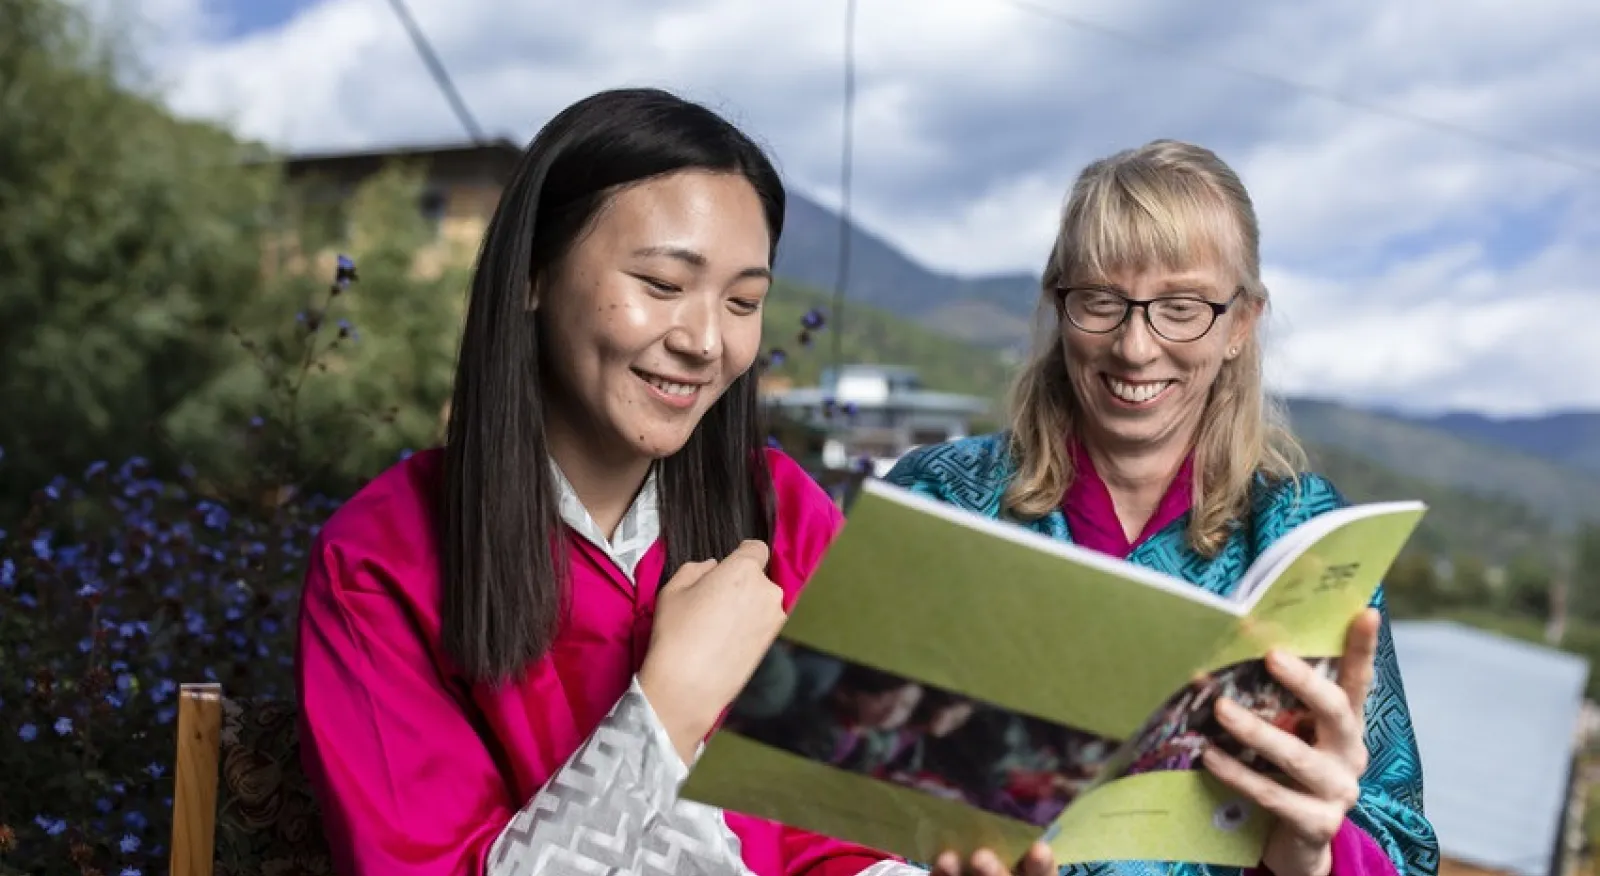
x: 972, y: 473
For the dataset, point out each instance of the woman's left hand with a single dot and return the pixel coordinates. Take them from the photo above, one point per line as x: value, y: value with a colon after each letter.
x: 1324, y: 776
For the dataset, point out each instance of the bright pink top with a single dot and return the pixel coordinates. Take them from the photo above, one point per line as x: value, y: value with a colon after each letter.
x: 1092, y: 520
x: 418, y: 771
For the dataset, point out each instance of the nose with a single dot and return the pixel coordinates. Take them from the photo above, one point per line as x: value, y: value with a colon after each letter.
x: 697, y: 328
x: 1136, y: 343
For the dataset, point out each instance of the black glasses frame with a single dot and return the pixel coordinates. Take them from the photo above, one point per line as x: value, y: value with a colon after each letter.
x: 1130, y: 304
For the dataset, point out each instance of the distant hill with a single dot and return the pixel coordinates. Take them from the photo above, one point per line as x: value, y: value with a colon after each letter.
x: 873, y: 335
x: 989, y: 311
x: 949, y: 328
x: 1571, y: 438
x: 1458, y: 521
x: 1562, y: 493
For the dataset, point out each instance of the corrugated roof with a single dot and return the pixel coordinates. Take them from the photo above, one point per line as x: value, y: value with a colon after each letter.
x: 1496, y: 720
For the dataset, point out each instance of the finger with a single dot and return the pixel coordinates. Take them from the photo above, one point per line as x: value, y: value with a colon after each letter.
x: 1338, y: 728
x: 1313, y: 820
x: 1039, y: 861
x: 1356, y: 664
x: 947, y: 864
x: 752, y: 550
x: 1322, y: 773
x: 987, y: 863
x: 688, y: 573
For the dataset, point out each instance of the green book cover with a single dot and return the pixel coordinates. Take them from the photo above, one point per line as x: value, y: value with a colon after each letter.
x: 948, y: 681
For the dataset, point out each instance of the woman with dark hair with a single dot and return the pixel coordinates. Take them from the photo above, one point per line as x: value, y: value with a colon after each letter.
x: 511, y: 647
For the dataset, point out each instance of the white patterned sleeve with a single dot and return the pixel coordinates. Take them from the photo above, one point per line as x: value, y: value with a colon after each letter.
x: 613, y: 809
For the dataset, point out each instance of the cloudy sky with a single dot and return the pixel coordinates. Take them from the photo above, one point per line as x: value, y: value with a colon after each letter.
x: 1427, y: 173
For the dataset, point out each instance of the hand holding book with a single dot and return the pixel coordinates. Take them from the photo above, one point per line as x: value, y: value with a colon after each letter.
x: 950, y: 682
x: 1327, y: 770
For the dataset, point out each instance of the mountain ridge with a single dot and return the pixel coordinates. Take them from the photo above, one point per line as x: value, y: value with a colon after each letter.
x: 1550, y: 464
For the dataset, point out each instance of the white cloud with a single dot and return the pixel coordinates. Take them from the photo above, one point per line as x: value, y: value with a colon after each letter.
x: 1413, y: 264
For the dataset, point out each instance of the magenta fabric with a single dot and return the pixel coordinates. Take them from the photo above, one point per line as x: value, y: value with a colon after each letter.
x: 417, y: 771
x: 1092, y: 519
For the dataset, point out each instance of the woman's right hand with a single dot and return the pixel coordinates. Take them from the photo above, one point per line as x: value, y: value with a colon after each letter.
x: 1039, y: 861
x: 714, y: 620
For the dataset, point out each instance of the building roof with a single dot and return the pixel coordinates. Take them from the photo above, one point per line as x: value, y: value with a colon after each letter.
x: 494, y: 160
x: 1496, y: 722
x: 905, y: 400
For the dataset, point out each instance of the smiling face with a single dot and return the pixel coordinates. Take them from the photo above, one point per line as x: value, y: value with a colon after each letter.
x: 652, y: 314
x: 1139, y: 392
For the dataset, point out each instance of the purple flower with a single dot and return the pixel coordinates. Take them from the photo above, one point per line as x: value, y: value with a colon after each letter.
x: 777, y: 356
x: 155, y: 770
x: 8, y: 571
x: 813, y: 319
x: 51, y: 826
x: 129, y: 844
x: 28, y: 732
x: 345, y: 273
x: 63, y: 726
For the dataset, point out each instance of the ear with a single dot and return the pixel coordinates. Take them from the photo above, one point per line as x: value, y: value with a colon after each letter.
x: 1246, y: 314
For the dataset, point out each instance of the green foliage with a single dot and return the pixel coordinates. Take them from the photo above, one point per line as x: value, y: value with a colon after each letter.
x: 877, y: 337
x: 128, y: 240
x: 390, y: 351
x: 1459, y: 523
x: 1585, y: 595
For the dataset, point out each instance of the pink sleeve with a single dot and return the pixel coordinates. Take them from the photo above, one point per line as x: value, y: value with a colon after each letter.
x: 807, y: 521
x: 1353, y: 853
x: 406, y: 786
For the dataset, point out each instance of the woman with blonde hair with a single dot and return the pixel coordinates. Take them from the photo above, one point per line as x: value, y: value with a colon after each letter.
x: 1141, y: 428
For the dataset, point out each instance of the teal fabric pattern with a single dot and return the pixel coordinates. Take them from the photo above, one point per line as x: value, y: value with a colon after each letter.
x: 973, y: 473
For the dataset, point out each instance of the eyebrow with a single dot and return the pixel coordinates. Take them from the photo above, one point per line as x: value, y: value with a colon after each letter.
x: 695, y: 259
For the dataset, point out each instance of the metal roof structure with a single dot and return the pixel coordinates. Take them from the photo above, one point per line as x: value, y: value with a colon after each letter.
x: 1497, y: 722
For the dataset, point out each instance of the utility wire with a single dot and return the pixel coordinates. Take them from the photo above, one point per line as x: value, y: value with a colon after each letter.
x: 440, y: 76
x: 843, y: 277
x: 1174, y: 53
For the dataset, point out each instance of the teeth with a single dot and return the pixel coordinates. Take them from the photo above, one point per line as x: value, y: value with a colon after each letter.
x: 670, y: 388
x: 1136, y: 393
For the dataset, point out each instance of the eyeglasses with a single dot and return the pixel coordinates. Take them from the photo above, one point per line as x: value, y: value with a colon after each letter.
x: 1099, y: 310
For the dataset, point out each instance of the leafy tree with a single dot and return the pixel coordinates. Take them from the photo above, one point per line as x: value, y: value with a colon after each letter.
x: 335, y: 419
x: 1412, y: 586
x: 1527, y: 590
x: 128, y: 240
x: 1584, y: 597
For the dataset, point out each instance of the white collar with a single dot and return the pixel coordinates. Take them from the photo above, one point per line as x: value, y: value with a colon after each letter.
x: 638, y: 529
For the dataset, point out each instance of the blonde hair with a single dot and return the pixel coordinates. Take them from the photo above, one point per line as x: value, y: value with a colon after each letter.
x: 1165, y: 205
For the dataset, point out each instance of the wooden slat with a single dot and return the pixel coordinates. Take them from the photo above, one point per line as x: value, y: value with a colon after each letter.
x: 194, y: 799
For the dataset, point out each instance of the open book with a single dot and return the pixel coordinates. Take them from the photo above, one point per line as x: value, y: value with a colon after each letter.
x: 947, y: 681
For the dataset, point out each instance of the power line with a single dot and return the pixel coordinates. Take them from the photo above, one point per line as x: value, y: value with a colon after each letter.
x: 1173, y: 53
x: 845, y: 161
x: 440, y: 76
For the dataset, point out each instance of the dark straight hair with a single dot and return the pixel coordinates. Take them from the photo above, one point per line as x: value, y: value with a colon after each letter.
x: 503, y: 554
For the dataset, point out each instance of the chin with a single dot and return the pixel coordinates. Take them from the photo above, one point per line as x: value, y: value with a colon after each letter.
x: 659, y: 447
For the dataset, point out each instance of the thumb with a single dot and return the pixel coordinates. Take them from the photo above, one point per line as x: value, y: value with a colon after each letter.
x: 753, y: 550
